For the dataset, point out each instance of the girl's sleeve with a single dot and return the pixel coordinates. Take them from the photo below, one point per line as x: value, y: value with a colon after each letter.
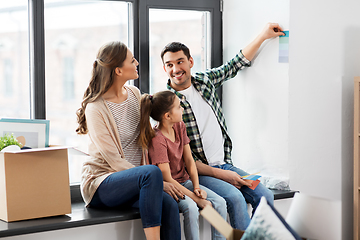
x: 158, y: 151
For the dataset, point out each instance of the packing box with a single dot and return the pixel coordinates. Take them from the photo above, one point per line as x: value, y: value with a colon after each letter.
x: 215, y: 219
x: 34, y: 183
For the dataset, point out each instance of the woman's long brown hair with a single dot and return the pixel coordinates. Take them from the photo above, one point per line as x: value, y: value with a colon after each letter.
x: 109, y: 57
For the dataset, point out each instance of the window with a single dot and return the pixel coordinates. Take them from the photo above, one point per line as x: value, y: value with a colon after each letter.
x: 186, y: 26
x: 14, y: 60
x: 71, y: 46
x: 68, y: 78
x: 163, y: 21
x: 59, y: 40
x: 8, y: 77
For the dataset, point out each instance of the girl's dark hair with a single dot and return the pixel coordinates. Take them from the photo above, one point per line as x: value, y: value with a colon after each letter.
x: 155, y: 107
x: 109, y: 57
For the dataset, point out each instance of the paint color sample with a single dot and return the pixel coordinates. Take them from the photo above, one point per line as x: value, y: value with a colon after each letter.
x: 284, y: 48
x: 252, y: 177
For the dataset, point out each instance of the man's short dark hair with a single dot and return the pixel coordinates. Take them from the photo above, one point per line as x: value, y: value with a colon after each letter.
x: 175, y: 47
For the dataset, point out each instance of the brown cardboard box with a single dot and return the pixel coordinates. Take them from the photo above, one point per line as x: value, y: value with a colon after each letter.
x: 215, y: 219
x: 34, y: 183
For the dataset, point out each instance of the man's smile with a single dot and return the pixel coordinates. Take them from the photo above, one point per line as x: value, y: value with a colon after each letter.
x: 178, y: 75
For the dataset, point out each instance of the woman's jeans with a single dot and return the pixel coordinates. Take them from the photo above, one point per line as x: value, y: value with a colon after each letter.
x: 190, y: 212
x: 236, y: 199
x: 141, y: 187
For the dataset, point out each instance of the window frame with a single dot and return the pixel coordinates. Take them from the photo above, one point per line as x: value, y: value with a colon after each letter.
x: 212, y: 6
x: 140, y: 39
x: 36, y: 10
x: 140, y: 43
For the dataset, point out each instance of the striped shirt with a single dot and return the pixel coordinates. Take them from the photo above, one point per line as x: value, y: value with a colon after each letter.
x: 127, y: 119
x: 206, y: 84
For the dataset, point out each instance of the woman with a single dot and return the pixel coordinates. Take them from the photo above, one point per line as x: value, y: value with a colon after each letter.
x: 117, y: 174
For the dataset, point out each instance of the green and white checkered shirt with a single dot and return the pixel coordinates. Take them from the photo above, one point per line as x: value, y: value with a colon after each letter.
x: 206, y: 84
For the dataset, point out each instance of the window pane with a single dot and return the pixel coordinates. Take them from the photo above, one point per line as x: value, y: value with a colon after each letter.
x: 186, y: 26
x: 74, y: 32
x: 14, y: 60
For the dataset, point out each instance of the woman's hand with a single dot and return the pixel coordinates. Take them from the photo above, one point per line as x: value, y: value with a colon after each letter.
x: 200, y: 193
x: 173, y: 191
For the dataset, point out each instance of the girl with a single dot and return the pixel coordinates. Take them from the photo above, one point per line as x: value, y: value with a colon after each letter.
x: 116, y: 174
x: 169, y: 149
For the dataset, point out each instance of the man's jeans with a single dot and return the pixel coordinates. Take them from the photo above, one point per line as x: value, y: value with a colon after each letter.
x: 236, y: 199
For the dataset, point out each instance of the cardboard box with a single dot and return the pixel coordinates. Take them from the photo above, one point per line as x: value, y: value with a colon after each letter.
x: 34, y: 183
x: 215, y: 219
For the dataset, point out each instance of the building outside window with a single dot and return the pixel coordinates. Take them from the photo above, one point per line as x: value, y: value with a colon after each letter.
x: 189, y: 27
x: 8, y: 77
x: 14, y: 60
x: 71, y: 46
x: 68, y: 79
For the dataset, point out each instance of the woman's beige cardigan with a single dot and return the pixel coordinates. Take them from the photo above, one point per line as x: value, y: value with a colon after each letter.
x: 106, y: 153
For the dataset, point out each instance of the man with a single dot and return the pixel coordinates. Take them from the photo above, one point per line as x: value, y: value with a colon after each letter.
x: 210, y: 142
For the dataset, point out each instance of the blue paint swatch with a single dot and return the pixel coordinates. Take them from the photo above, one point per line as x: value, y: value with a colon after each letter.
x: 284, y: 48
x: 286, y: 34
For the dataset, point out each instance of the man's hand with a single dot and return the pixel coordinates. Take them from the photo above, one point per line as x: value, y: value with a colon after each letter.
x: 271, y: 30
x: 234, y: 179
x: 173, y: 191
x: 225, y: 175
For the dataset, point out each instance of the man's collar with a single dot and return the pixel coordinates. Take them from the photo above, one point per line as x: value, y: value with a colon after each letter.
x: 174, y: 91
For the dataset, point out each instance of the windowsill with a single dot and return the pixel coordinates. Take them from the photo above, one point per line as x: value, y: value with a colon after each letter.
x: 82, y: 216
x: 283, y: 194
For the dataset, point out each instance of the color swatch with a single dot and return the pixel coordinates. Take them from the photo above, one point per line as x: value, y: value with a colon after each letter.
x: 252, y: 177
x: 284, y: 48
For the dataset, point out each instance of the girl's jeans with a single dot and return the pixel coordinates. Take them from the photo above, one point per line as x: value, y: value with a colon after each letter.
x: 236, y: 199
x: 141, y: 187
x: 190, y: 212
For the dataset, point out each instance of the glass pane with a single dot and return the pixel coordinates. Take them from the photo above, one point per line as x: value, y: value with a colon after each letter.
x: 14, y: 60
x: 185, y: 26
x: 74, y: 32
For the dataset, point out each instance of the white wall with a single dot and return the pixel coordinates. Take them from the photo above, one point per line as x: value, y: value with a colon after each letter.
x: 302, y: 122
x: 256, y: 101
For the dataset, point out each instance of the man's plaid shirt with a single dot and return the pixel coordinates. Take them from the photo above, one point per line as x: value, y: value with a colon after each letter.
x: 206, y: 84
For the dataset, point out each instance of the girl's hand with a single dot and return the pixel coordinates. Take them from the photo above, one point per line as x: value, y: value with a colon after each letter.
x: 200, y: 193
x: 201, y: 203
